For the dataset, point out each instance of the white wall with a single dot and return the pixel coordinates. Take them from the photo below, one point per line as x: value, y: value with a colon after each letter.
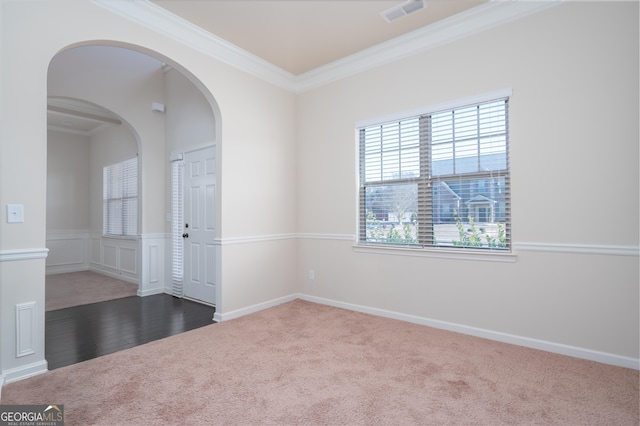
x: 573, y: 70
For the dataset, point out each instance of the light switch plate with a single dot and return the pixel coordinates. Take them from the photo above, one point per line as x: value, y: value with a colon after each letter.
x: 15, y: 213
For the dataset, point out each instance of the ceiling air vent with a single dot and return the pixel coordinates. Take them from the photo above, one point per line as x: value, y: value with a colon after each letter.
x: 403, y: 9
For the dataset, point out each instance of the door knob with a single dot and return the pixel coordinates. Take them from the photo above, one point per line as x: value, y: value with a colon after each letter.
x: 185, y: 235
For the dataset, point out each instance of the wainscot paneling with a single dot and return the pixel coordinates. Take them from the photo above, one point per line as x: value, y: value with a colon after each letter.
x: 152, y: 269
x: 116, y: 257
x: 68, y: 251
x: 25, y: 329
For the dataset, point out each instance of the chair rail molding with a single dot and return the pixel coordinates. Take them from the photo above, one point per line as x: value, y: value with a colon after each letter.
x: 23, y: 254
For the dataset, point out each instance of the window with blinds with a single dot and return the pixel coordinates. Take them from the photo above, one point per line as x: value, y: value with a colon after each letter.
x: 120, y: 199
x: 438, y: 180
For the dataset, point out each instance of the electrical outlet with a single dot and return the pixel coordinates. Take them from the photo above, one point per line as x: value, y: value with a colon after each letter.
x: 312, y: 274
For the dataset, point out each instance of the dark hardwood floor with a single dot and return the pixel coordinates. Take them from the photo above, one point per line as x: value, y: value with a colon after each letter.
x: 84, y: 332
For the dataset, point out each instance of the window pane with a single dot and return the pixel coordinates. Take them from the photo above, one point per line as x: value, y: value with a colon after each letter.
x: 469, y: 140
x: 492, y: 118
x: 129, y: 216
x: 470, y: 212
x: 391, y: 213
x: 465, y: 123
x: 114, y: 213
x: 442, y: 127
x: 493, y: 153
x: 392, y: 151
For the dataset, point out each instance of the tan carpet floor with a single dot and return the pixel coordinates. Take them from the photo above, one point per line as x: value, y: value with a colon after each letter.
x: 302, y: 363
x: 84, y: 287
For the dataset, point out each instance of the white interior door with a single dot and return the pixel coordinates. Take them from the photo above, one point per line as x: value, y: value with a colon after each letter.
x: 199, y: 227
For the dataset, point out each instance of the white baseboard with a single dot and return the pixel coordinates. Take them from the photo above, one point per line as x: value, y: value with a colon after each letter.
x: 558, y: 348
x: 152, y: 291
x: 54, y: 270
x: 23, y: 372
x: 113, y: 273
x: 576, y: 352
x: 254, y: 308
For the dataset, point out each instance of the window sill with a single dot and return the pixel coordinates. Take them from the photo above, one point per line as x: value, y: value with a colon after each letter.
x: 443, y: 253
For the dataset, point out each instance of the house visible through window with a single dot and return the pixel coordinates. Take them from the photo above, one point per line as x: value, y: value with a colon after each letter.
x: 438, y: 180
x: 120, y: 198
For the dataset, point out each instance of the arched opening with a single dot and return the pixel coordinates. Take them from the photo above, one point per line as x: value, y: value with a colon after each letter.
x: 151, y: 108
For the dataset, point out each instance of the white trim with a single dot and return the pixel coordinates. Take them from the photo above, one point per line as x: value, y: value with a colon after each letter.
x: 23, y: 254
x: 105, y: 270
x: 254, y: 239
x: 151, y: 261
x: 559, y: 348
x: 579, y: 249
x: 24, y: 372
x: 166, y: 23
x: 152, y: 291
x: 198, y: 147
x: 72, y: 255
x: 442, y: 253
x: 339, y: 237
x: 155, y: 235
x: 468, y: 254
x: 25, y: 328
x: 480, y: 18
x: 217, y: 316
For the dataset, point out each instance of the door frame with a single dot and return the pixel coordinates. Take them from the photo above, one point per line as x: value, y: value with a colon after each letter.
x: 179, y: 156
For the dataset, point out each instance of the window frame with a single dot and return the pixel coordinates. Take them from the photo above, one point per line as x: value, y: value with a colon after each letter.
x: 110, y: 195
x: 426, y: 245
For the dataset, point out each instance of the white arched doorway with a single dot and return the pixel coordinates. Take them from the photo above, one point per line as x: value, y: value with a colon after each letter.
x: 168, y: 110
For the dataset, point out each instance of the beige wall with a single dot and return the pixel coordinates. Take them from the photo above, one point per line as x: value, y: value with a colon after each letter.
x: 573, y: 71
x: 189, y: 120
x: 67, y: 181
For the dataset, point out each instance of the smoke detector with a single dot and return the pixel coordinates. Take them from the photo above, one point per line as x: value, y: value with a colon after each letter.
x: 402, y: 10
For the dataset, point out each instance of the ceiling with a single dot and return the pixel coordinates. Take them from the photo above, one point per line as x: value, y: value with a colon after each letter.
x: 301, y: 35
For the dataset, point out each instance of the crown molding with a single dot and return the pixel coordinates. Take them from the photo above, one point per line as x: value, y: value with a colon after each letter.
x: 162, y: 21
x: 480, y: 18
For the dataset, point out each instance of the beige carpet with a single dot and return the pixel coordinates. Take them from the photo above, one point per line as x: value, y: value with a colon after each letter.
x: 82, y: 288
x: 304, y: 363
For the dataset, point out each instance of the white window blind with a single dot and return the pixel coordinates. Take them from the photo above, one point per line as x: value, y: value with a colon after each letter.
x: 438, y: 180
x: 120, y: 198
x: 177, y: 227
